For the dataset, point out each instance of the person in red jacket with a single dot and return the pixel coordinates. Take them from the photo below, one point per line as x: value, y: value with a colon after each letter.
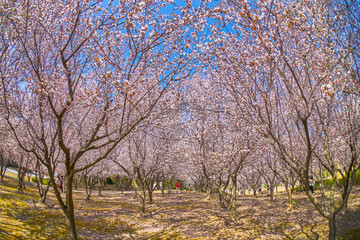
x: 177, y: 186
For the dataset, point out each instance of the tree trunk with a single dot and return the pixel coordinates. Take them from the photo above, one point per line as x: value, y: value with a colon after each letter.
x: 142, y: 197
x: 291, y: 206
x: 88, y: 194
x: 2, y: 173
x: 41, y: 189
x: 3, y: 166
x: 140, y: 191
x: 43, y: 193
x: 21, y: 174
x: 221, y: 199
x: 208, y: 193
x: 29, y: 178
x: 89, y: 185
x: 101, y: 185
x: 289, y: 193
x: 87, y: 190
x: 343, y: 196
x: 150, y: 198
x: 332, y: 227
x: 69, y: 212
x: 271, y: 194
x: 162, y: 189
x: 20, y: 185
x: 77, y: 181
x: 39, y: 176
x: 150, y: 192
x: 168, y: 187
x: 233, y: 198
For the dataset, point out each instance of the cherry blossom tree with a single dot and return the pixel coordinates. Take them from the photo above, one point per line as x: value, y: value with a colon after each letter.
x: 85, y: 74
x: 89, y: 176
x: 348, y: 126
x: 252, y: 177
x: 105, y: 170
x: 203, y: 134
x: 220, y: 140
x: 339, y: 155
x: 141, y: 159
x: 242, y: 184
x: 287, y: 176
x: 234, y: 157
x: 8, y: 147
x: 23, y: 161
x: 4, y: 160
x: 268, y: 166
x: 280, y: 64
x: 122, y: 182
x: 344, y: 22
x: 40, y: 174
x: 8, y: 65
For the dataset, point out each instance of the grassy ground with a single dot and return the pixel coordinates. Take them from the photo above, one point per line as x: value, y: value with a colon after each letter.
x: 10, y: 174
x: 188, y: 215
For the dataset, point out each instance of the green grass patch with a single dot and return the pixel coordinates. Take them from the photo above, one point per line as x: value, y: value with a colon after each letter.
x: 10, y: 174
x: 45, y: 181
x: 357, y: 178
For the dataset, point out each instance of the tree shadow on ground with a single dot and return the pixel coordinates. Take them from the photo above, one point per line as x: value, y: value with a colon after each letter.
x: 348, y: 224
x: 189, y: 215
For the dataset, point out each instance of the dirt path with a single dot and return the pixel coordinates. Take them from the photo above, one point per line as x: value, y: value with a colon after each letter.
x: 190, y: 215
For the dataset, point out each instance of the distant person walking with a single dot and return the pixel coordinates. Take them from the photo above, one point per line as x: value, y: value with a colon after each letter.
x: 312, y: 184
x: 177, y: 186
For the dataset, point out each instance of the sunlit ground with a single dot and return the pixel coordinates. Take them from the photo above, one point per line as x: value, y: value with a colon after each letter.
x: 188, y: 215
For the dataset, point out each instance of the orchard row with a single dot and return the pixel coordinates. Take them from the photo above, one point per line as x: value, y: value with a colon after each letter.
x: 222, y: 95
